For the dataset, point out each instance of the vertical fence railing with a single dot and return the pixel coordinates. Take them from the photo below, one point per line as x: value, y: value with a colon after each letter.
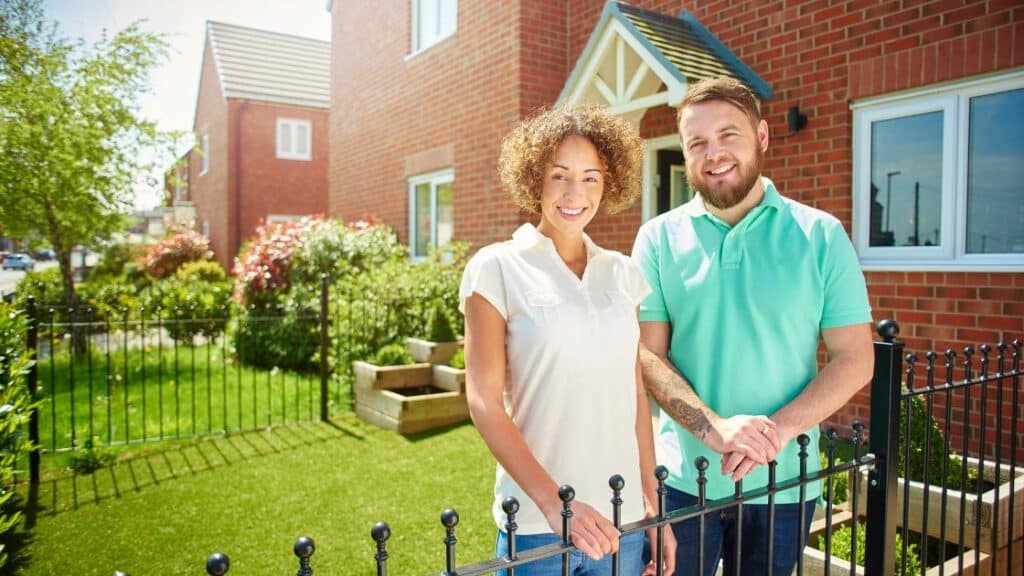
x: 883, y: 443
x: 32, y: 378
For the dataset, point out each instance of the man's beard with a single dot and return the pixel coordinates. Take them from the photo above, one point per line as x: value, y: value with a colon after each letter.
x: 727, y: 197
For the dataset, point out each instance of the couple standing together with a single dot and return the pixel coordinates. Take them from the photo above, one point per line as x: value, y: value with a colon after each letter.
x: 717, y: 315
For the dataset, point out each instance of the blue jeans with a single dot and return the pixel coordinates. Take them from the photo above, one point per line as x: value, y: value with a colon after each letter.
x: 720, y: 537
x: 630, y: 550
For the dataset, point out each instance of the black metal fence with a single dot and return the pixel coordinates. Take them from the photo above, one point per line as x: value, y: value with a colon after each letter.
x: 988, y: 515
x: 112, y: 376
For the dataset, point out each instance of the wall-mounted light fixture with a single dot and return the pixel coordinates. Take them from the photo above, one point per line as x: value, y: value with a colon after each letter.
x: 795, y: 119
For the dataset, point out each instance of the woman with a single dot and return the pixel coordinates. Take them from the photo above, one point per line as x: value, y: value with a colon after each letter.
x: 553, y: 382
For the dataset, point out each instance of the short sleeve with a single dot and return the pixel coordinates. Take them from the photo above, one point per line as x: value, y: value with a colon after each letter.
x: 483, y: 276
x: 846, y: 295
x: 636, y: 284
x: 645, y: 259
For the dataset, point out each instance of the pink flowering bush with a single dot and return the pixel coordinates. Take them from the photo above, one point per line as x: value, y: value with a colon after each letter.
x: 174, y: 251
x: 264, y: 265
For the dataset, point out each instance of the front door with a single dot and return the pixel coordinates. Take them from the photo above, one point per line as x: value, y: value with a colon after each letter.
x: 672, y: 187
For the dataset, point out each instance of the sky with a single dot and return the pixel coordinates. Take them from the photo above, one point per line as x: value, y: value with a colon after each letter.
x: 175, y: 84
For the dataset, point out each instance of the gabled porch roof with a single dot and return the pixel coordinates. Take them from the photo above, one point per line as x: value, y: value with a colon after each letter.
x: 637, y: 59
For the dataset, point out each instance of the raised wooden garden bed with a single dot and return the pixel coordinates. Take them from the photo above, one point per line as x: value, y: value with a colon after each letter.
x: 408, y: 399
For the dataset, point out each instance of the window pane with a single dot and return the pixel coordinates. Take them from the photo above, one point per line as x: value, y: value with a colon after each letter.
x: 906, y: 181
x: 284, y: 137
x: 448, y: 12
x: 422, y: 215
x: 995, y: 172
x: 302, y: 140
x: 445, y: 213
x: 426, y: 27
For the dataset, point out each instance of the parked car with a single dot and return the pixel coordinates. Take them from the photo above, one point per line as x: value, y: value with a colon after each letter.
x: 19, y: 262
x: 44, y: 255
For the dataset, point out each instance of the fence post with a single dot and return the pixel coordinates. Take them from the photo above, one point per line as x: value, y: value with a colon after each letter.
x: 31, y: 342
x: 879, y: 553
x: 323, y: 348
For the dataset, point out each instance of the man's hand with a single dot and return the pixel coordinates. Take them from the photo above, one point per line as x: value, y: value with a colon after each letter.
x: 755, y: 438
x: 589, y: 531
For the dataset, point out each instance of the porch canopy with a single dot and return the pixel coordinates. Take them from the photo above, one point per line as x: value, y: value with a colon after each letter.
x: 637, y: 59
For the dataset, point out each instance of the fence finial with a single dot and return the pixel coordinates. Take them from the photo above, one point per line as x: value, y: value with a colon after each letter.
x: 217, y: 564
x: 380, y: 534
x: 888, y: 329
x: 304, y: 548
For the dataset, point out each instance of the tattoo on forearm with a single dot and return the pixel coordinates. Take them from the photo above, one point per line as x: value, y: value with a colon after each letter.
x: 674, y: 394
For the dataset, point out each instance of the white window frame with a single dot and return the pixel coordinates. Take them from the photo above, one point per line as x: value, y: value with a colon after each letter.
x: 204, y: 153
x: 282, y: 218
x: 290, y: 153
x: 953, y: 100
x: 435, y: 179
x: 419, y: 44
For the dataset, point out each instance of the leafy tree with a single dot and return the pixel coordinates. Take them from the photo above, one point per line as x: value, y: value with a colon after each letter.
x: 72, y: 143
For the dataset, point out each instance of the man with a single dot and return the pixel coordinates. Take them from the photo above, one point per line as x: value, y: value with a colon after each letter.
x: 744, y: 283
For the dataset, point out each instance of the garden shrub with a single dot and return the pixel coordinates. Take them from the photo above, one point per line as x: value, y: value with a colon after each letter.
x: 175, y: 250
x: 390, y: 302
x: 841, y: 540
x: 193, y: 308
x: 439, y: 326
x: 46, y: 286
x: 201, y: 271
x: 278, y: 281
x: 109, y: 299
x: 924, y: 429
x: 15, y: 408
x: 458, y: 359
x: 393, y: 355
x: 840, y: 483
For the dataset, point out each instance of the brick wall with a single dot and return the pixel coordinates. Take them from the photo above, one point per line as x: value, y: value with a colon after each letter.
x: 271, y: 185
x: 210, y: 190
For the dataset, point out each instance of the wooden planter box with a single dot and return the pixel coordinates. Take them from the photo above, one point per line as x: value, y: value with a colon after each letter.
x: 449, y: 378
x: 814, y: 559
x: 431, y: 352
x: 987, y: 505
x: 407, y: 399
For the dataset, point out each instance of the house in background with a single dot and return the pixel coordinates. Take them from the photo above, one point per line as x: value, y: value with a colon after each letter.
x: 261, y: 132
x: 905, y: 122
x: 179, y: 210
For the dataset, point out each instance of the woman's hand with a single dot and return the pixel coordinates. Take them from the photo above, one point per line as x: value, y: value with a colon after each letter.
x: 591, y: 533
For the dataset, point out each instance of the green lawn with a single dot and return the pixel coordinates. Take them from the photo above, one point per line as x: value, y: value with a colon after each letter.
x: 163, y: 510
x: 164, y: 392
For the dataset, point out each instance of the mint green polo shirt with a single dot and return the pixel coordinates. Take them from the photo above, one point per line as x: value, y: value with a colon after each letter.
x: 746, y: 304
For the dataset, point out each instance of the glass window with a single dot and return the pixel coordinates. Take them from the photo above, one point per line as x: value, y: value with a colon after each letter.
x: 995, y: 174
x: 906, y: 181
x: 293, y: 139
x: 432, y: 21
x: 937, y: 177
x: 431, y: 211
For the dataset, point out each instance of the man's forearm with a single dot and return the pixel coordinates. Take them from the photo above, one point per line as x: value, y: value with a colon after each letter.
x: 675, y: 395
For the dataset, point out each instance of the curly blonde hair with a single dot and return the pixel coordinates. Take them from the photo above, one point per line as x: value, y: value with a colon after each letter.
x: 527, y: 151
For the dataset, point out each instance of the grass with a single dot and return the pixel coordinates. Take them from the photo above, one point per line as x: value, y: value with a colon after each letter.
x: 164, y: 392
x: 163, y: 510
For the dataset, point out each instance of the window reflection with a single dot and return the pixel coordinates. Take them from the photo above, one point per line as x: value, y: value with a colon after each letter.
x: 995, y: 164
x: 906, y: 181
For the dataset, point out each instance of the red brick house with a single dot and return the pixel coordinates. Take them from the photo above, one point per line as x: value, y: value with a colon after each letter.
x: 261, y: 133
x: 914, y: 130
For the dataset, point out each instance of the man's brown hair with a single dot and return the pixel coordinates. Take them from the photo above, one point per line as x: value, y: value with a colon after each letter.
x: 722, y: 89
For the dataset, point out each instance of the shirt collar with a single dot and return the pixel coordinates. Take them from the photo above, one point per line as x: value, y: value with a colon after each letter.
x: 527, y: 236
x: 695, y: 207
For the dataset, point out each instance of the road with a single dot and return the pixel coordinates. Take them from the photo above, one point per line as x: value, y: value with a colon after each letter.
x: 9, y: 278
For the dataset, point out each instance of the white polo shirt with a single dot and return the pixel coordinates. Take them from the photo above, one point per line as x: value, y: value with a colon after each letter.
x: 570, y: 384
